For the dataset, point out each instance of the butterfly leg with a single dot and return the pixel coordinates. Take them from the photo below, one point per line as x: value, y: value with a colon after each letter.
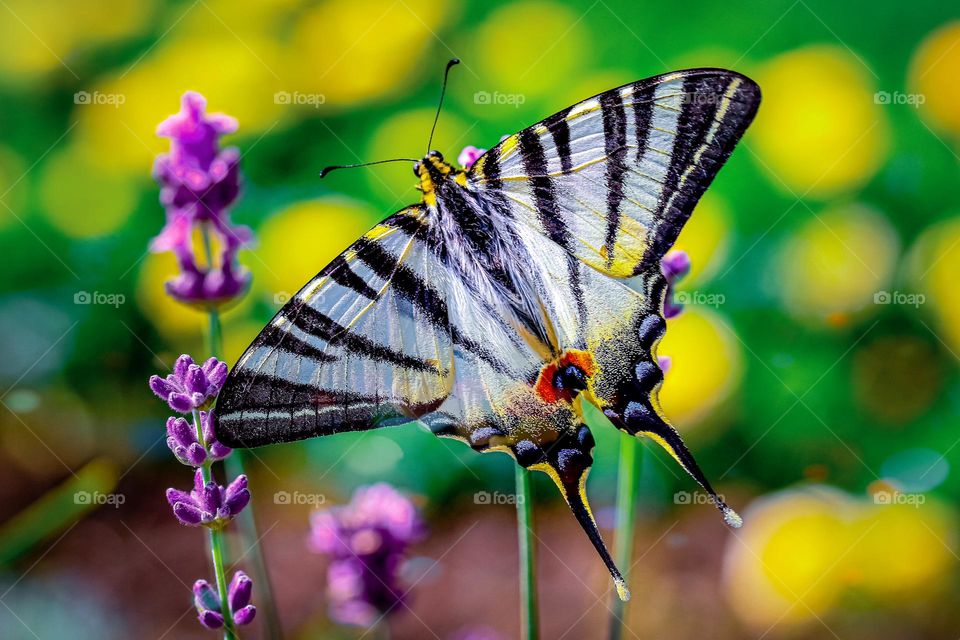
x: 567, y: 461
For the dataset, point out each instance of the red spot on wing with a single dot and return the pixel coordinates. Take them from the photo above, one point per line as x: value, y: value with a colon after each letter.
x: 544, y: 385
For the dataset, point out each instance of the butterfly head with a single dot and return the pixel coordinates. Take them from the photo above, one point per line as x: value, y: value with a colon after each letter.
x: 434, y: 171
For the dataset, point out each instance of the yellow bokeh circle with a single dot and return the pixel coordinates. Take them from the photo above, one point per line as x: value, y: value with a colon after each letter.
x: 83, y: 201
x: 820, y: 129
x: 705, y: 238
x: 837, y: 262
x: 933, y: 265
x: 295, y: 243
x: 933, y: 76
x: 528, y: 48
x: 705, y: 367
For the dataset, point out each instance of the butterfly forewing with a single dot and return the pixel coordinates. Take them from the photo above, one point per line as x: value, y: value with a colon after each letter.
x: 614, y: 178
x: 365, y: 343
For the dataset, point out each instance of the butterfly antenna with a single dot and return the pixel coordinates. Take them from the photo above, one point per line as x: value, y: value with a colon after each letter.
x: 333, y: 167
x: 443, y: 91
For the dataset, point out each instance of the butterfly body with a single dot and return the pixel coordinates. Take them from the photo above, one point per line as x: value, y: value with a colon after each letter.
x: 514, y: 292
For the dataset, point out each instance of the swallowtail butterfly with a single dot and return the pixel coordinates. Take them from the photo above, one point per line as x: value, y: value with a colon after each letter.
x: 511, y: 294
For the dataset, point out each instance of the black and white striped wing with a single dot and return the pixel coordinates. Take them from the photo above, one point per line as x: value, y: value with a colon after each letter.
x: 366, y: 343
x: 613, y: 179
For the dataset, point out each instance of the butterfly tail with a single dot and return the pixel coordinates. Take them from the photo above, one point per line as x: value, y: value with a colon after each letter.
x: 640, y: 418
x: 567, y: 461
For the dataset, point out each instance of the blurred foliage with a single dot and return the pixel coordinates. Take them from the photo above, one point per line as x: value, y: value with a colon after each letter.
x: 818, y: 356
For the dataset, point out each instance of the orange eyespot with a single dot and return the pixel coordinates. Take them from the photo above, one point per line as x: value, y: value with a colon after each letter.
x: 565, y: 377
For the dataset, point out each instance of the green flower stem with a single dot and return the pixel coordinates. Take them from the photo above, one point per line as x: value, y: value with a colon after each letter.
x: 528, y: 587
x: 628, y: 477
x: 216, y: 547
x: 246, y: 522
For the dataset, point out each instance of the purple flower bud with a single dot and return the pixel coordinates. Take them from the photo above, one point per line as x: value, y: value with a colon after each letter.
x: 238, y: 594
x: 245, y: 615
x: 469, y: 155
x: 205, y: 596
x: 188, y: 514
x: 237, y: 495
x: 217, y: 450
x: 190, y: 386
x: 664, y: 362
x: 210, y: 619
x: 675, y: 265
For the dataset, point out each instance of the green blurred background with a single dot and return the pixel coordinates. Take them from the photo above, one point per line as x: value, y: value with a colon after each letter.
x: 815, y: 370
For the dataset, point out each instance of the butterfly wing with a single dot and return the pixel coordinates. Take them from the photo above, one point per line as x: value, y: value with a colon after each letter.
x: 366, y: 343
x: 614, y: 178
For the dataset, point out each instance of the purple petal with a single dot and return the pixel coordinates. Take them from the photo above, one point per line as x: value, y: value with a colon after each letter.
x: 195, y: 381
x: 218, y: 375
x: 181, y: 431
x: 210, y: 619
x: 180, y: 402
x: 187, y: 514
x: 238, y: 594
x: 205, y: 597
x: 235, y: 503
x: 211, y: 498
x: 197, y: 482
x: 161, y: 387
x: 175, y: 495
x: 238, y: 484
x: 181, y: 366
x: 219, y: 451
x: 245, y: 615
x: 195, y: 455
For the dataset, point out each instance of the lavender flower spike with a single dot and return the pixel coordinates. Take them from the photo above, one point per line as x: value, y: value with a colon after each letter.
x: 209, y: 505
x: 367, y: 542
x: 190, y: 386
x: 198, y: 183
